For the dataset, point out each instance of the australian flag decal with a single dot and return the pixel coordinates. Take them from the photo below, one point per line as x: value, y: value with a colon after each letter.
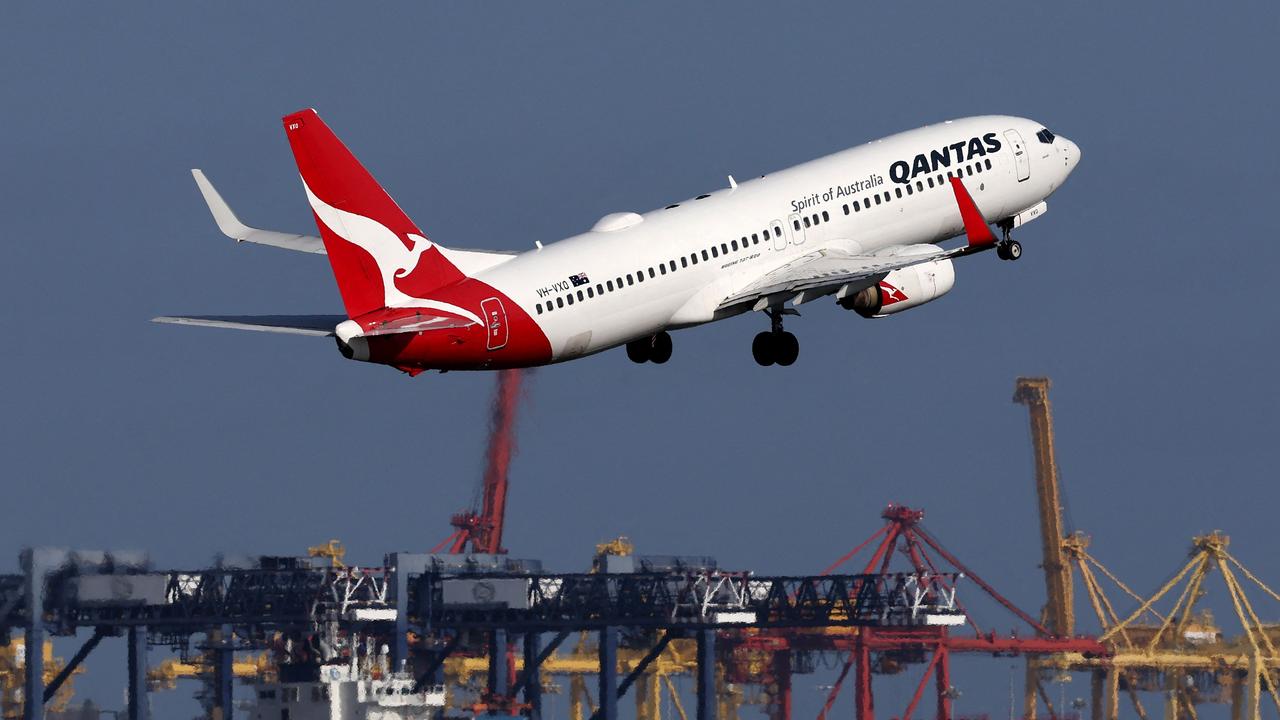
x: 579, y: 280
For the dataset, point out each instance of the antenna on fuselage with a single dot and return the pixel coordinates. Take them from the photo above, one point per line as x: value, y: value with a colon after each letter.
x: 733, y: 184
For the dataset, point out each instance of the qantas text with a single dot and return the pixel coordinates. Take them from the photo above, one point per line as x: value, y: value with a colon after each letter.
x: 959, y: 152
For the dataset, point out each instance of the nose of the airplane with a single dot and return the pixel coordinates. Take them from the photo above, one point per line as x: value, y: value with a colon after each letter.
x: 1070, y: 153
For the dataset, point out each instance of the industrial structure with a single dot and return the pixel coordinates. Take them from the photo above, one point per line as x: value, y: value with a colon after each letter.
x: 475, y: 631
x: 1171, y: 648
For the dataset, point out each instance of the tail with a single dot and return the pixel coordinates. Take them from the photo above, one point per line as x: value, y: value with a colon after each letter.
x: 379, y: 257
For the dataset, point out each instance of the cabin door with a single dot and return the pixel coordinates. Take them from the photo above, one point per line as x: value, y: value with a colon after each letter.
x: 495, y: 319
x: 1020, y: 160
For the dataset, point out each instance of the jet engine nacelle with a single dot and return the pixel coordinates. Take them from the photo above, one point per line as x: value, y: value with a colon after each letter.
x: 903, y: 289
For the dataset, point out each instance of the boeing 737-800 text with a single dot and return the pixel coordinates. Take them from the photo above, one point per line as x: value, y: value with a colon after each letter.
x: 862, y: 225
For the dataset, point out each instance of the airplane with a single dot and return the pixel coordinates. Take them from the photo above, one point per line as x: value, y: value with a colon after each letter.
x: 862, y: 226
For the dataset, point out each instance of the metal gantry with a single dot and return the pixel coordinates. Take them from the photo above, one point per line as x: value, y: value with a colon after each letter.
x: 437, y: 600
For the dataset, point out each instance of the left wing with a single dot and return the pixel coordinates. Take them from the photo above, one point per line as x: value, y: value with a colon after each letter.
x: 827, y: 271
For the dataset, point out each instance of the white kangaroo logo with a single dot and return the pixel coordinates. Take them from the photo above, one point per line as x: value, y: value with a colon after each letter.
x: 393, y: 258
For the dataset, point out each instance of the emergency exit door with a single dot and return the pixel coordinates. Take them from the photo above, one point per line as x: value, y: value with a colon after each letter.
x: 1020, y: 160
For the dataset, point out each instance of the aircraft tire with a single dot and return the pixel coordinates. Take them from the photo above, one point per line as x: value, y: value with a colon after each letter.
x: 660, y: 348
x: 638, y: 351
x: 786, y: 348
x: 1013, y: 251
x: 762, y: 349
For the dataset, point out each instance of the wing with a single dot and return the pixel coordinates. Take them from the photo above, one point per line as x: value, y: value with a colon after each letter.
x: 318, y: 325
x: 827, y: 271
x: 231, y: 226
x: 469, y: 262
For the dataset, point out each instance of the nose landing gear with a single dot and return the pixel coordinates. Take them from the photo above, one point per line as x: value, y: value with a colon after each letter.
x: 655, y: 349
x: 1008, y: 248
x: 776, y: 346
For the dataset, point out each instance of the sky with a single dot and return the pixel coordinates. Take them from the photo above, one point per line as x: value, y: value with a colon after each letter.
x: 1146, y: 292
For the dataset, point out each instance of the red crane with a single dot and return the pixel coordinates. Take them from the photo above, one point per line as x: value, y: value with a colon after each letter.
x: 764, y: 657
x: 481, y: 531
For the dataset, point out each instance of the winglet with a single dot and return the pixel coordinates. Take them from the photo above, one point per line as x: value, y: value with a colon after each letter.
x: 228, y: 223
x: 231, y: 226
x: 975, y: 227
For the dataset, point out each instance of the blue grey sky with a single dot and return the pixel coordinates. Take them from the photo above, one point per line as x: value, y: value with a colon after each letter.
x: 1147, y: 291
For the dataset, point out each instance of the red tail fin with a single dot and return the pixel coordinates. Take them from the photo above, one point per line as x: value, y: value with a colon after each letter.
x: 379, y: 257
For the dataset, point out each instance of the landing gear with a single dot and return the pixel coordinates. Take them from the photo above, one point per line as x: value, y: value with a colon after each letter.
x: 655, y: 349
x: 1008, y: 248
x: 776, y: 346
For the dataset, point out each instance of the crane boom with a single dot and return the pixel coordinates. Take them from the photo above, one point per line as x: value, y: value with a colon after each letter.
x: 1059, y: 616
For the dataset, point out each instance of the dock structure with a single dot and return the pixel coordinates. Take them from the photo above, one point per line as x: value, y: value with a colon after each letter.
x: 424, y: 607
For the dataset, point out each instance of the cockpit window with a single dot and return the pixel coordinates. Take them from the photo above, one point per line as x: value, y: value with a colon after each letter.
x: 1046, y: 136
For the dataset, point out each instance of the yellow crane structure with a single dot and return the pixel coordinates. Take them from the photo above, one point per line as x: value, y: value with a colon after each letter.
x: 165, y: 674
x: 1178, y: 652
x: 13, y: 668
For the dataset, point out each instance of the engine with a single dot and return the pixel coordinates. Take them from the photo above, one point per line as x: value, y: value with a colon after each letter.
x: 903, y: 289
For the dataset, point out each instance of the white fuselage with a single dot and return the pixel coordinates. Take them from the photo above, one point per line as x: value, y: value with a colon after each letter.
x: 783, y: 206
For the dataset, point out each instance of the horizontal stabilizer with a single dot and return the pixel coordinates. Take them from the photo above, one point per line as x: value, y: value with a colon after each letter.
x: 317, y: 325
x: 231, y: 226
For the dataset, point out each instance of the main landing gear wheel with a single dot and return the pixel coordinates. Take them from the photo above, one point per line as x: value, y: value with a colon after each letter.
x: 776, y: 346
x: 655, y: 349
x: 660, y: 348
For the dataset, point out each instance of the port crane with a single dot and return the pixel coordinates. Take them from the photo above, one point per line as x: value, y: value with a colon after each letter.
x: 480, y: 531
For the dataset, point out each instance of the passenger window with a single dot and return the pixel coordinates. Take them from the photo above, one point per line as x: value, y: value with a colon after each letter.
x: 815, y: 219
x: 987, y: 162
x: 734, y: 244
x: 777, y: 231
x: 857, y: 207
x: 651, y: 273
x: 618, y: 283
x: 580, y: 295
x: 846, y: 209
x: 704, y: 254
x: 806, y: 222
x: 694, y: 258
x: 919, y: 186
x: 930, y: 182
x: 866, y: 203
x: 539, y: 306
x: 570, y: 299
x: 610, y: 285
x: 640, y: 276
x: 939, y: 178
x: 714, y: 252
x: 886, y: 196
x: 796, y: 223
x: 898, y: 192
x: 977, y: 167
x: 755, y: 239
x: 909, y: 190
x: 684, y: 262
x: 590, y: 292
x: 825, y: 216
x: 672, y: 265
x: 559, y: 302
x: 629, y: 282
x: 877, y: 199
x: 724, y: 248
x: 662, y: 269
x: 599, y: 289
